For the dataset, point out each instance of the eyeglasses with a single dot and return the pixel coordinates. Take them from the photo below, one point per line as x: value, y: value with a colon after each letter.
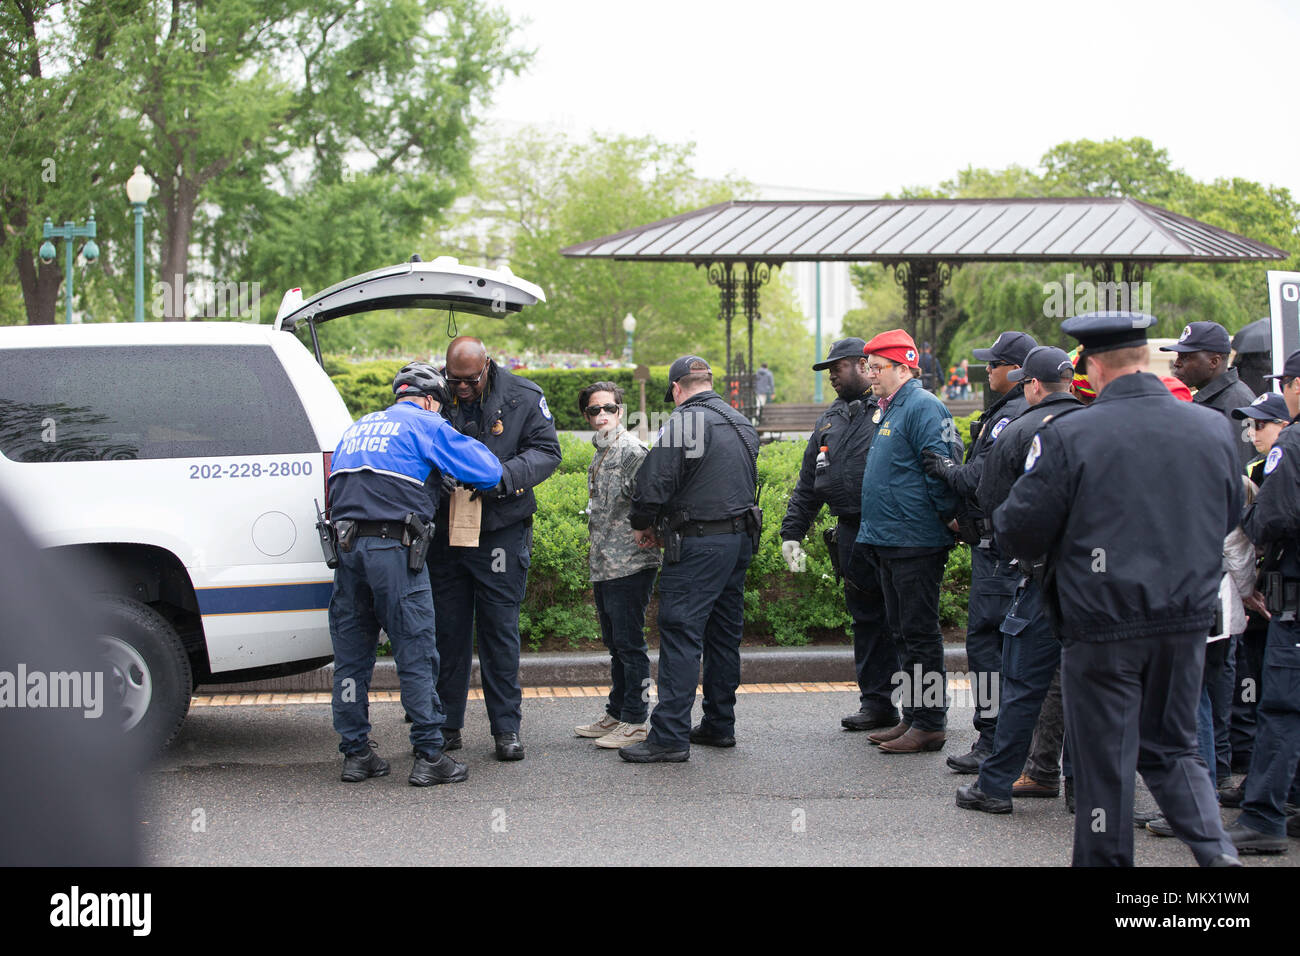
x: 453, y: 382
x: 991, y: 364
x: 877, y: 369
x: 594, y: 410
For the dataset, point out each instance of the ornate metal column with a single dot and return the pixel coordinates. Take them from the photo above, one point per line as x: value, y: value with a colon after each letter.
x: 757, y: 274
x: 922, y: 283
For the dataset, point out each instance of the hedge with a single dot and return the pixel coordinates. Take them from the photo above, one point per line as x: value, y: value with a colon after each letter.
x: 368, y: 387
x: 780, y: 607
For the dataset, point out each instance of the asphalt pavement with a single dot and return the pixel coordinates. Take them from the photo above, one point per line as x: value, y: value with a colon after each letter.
x: 260, y: 785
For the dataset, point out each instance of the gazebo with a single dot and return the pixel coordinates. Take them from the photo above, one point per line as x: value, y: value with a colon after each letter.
x: 922, y: 240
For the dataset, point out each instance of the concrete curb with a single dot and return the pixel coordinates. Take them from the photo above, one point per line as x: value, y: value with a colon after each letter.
x: 759, y: 665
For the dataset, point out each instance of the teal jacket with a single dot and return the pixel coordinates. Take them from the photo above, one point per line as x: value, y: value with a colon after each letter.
x: 902, y: 507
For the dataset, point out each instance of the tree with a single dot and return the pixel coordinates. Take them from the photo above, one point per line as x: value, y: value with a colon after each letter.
x: 259, y: 103
x: 538, y: 193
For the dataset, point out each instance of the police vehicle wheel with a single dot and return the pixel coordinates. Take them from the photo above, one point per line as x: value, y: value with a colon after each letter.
x: 147, y: 680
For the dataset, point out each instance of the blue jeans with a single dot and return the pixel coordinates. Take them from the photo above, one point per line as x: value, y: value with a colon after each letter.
x: 373, y: 588
x: 1220, y: 675
x: 701, y: 618
x: 1205, y: 729
x: 620, y: 606
x: 1030, y: 660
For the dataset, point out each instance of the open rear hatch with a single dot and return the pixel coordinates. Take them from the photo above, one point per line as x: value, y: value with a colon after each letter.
x: 441, y: 284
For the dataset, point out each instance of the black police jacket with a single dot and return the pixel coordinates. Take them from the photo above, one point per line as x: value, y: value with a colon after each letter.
x: 699, y: 465
x: 1274, y: 518
x: 1224, y: 394
x: 516, y: 426
x: 846, y: 429
x: 1129, y: 499
x: 984, y: 431
x: 1005, y: 461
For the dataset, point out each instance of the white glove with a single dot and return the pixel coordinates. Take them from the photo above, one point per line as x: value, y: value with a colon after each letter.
x: 794, y: 555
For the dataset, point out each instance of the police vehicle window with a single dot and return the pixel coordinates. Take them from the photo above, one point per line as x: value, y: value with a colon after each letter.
x: 117, y: 403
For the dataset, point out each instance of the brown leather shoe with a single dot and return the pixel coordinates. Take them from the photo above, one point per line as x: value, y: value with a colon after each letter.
x: 1027, y: 786
x: 893, y: 733
x: 915, y: 742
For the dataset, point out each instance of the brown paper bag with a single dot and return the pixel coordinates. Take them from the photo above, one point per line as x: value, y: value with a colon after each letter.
x: 464, y: 517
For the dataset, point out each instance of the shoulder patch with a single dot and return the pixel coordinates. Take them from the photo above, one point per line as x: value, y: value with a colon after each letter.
x: 1273, y: 459
x: 997, y: 429
x: 1035, y: 450
x: 541, y: 403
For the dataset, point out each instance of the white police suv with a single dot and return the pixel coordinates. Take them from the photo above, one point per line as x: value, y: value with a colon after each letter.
x: 185, y: 460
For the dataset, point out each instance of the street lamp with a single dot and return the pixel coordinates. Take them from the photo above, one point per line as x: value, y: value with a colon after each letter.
x: 68, y: 232
x: 138, y: 190
x: 629, y: 326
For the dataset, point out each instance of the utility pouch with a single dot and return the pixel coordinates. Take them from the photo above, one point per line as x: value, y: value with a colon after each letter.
x: 831, y: 536
x: 329, y: 540
x: 419, y: 535
x: 754, y: 525
x: 1013, y: 623
x: 347, y: 534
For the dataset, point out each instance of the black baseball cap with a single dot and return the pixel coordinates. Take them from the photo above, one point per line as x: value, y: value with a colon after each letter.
x: 1202, y: 337
x: 1010, y: 348
x: 1269, y: 407
x: 844, y: 348
x: 1290, y: 368
x: 683, y: 367
x: 1046, y: 363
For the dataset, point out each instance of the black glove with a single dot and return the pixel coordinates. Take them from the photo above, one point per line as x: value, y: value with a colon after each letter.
x: 938, y: 466
x: 498, y: 491
x: 448, y: 485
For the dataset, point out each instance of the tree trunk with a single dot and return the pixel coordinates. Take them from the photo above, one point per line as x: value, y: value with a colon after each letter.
x: 180, y: 202
x: 40, y: 282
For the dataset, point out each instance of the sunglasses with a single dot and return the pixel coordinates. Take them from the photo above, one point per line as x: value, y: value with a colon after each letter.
x: 453, y: 382
x: 594, y: 410
x: 994, y: 364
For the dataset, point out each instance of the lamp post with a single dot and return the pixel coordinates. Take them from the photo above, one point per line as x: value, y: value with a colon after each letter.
x: 629, y: 326
x: 138, y: 190
x: 68, y: 232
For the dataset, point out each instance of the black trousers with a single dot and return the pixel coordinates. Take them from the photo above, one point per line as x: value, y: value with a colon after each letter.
x: 1131, y: 705
x: 875, y: 653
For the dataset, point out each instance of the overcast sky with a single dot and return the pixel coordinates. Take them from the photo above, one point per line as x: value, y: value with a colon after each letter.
x: 865, y: 98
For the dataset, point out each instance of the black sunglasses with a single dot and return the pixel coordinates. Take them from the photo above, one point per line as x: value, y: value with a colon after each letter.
x: 594, y: 410
x: 993, y: 364
x: 453, y: 382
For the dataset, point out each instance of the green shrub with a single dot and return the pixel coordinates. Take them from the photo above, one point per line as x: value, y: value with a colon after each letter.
x: 562, y: 387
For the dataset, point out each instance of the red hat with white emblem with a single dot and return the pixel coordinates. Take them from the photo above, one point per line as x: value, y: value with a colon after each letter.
x: 895, y: 345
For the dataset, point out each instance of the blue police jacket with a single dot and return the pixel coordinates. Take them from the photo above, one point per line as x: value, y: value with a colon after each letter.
x: 379, y: 469
x: 1129, y: 499
x: 512, y: 419
x: 902, y: 506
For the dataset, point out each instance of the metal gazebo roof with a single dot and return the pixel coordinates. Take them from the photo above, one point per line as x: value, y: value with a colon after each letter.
x: 953, y: 230
x: 923, y: 240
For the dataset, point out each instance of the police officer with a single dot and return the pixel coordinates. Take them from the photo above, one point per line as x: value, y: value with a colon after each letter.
x: 1201, y: 363
x: 1031, y: 652
x: 1130, y: 499
x: 478, y: 590
x: 831, y: 474
x: 381, y: 509
x: 1273, y: 524
x: 993, y: 577
x: 695, y: 495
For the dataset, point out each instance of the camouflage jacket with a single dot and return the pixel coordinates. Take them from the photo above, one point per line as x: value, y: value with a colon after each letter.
x: 614, y: 552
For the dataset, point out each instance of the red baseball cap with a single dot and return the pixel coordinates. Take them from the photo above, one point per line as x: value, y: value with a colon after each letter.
x: 895, y: 345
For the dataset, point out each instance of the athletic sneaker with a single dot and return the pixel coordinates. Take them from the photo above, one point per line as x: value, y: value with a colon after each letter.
x: 597, y: 728
x: 623, y: 735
